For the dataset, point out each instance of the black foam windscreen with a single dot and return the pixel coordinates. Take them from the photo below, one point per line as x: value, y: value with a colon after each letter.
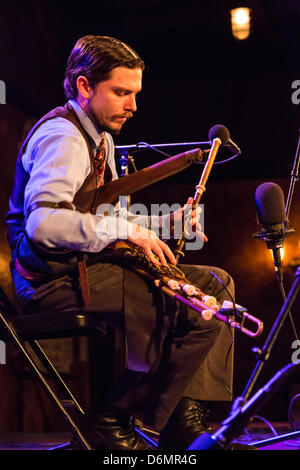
x: 269, y: 200
x: 219, y: 131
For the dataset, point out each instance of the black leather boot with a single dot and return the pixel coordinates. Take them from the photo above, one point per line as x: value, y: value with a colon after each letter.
x: 186, y: 423
x: 111, y: 429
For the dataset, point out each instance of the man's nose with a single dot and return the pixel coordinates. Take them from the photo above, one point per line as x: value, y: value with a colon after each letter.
x: 130, y: 104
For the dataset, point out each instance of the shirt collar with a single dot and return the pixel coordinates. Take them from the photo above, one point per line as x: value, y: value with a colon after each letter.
x: 87, y: 123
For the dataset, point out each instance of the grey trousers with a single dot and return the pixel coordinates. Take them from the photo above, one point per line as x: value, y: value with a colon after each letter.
x: 196, y: 359
x: 170, y: 351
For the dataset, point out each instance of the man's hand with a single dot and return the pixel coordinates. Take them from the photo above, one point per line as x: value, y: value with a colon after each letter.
x: 148, y: 240
x: 177, y: 220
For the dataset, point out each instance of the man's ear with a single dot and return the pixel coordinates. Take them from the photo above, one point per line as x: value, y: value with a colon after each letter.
x: 83, y: 86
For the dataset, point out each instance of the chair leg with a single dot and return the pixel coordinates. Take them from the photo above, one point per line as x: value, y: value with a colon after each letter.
x: 54, y: 373
x: 20, y: 347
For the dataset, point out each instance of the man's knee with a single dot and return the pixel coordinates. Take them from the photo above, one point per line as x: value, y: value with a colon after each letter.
x: 224, y: 279
x: 211, y: 280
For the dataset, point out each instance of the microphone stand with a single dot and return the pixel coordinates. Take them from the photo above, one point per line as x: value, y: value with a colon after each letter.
x: 124, y: 160
x: 235, y: 423
x: 264, y: 353
x: 294, y: 178
x: 144, y: 145
x: 242, y: 409
x: 126, y: 157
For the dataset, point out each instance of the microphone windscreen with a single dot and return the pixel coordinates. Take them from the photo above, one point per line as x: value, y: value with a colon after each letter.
x: 219, y: 131
x: 269, y: 200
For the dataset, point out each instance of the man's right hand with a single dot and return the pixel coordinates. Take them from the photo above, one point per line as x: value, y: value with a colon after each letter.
x: 148, y: 240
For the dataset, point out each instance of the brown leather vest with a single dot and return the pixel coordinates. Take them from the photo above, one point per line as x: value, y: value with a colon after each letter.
x: 41, y: 264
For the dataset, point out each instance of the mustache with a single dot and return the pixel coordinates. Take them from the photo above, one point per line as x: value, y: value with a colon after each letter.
x: 126, y: 115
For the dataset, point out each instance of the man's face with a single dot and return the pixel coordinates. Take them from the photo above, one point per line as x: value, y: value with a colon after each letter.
x: 113, y: 101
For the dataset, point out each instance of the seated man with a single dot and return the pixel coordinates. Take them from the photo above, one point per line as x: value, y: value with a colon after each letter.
x: 172, y: 360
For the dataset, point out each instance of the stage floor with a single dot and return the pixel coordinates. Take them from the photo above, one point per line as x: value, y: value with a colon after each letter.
x: 256, y: 432
x: 271, y: 436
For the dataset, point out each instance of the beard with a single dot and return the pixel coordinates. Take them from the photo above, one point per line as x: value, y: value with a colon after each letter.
x: 105, y: 126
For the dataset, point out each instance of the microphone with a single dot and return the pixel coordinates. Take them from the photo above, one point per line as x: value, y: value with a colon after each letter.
x: 233, y: 147
x: 223, y: 133
x: 269, y: 200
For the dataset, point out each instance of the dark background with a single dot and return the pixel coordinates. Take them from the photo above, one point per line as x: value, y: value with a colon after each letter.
x: 197, y: 75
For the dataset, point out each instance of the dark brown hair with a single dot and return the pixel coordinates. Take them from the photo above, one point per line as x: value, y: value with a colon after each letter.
x: 95, y: 57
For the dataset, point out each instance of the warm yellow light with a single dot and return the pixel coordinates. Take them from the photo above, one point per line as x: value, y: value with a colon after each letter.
x: 240, y: 23
x: 241, y: 15
x: 282, y: 253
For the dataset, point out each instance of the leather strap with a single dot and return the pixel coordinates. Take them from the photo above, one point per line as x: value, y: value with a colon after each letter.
x: 81, y: 263
x: 83, y: 277
x: 54, y: 205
